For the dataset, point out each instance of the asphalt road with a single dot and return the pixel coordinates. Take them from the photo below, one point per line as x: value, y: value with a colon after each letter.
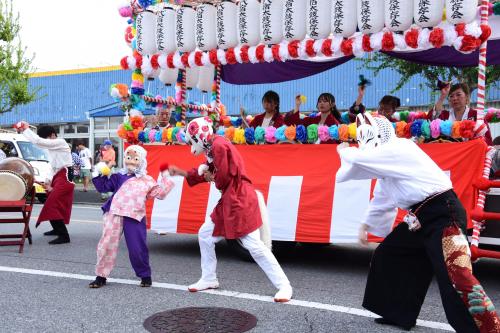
x: 45, y: 289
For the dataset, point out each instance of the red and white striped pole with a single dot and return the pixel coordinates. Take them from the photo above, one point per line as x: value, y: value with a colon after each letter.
x: 481, y: 81
x: 183, y: 98
x: 478, y: 225
x: 218, y: 69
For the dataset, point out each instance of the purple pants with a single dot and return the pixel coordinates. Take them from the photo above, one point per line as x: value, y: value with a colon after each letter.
x: 135, y: 237
x: 138, y: 253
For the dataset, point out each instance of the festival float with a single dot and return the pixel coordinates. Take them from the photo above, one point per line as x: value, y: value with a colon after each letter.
x: 196, y: 44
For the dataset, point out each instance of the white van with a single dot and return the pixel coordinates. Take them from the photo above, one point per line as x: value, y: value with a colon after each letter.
x: 16, y: 145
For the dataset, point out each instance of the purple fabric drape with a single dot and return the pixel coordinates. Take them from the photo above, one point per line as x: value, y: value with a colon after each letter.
x: 276, y: 71
x: 297, y: 69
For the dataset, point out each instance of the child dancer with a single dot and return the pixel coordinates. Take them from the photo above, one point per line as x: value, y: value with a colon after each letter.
x: 125, y: 210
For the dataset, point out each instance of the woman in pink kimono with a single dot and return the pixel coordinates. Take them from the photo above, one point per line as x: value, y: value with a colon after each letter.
x: 125, y: 211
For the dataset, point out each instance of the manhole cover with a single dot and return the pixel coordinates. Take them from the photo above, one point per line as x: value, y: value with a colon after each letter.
x: 202, y: 320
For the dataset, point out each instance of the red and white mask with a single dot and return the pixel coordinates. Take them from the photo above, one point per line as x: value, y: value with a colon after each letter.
x: 199, y: 135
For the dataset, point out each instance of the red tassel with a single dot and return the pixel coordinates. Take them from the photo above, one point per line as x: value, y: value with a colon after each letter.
x: 293, y: 48
x: 470, y: 43
x: 244, y: 54
x: 326, y: 47
x: 185, y: 59
x: 124, y: 63
x: 170, y: 61
x: 276, y: 52
x: 346, y: 47
x: 138, y: 60
x: 230, y: 56
x: 486, y: 33
x: 154, y: 61
x: 212, y: 54
x: 367, y: 47
x: 436, y: 37
x: 388, y: 42
x: 460, y: 29
x: 259, y: 53
x: 411, y: 38
x: 197, y: 58
x: 310, y: 48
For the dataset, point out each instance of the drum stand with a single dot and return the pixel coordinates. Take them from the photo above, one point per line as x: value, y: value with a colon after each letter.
x: 24, y: 207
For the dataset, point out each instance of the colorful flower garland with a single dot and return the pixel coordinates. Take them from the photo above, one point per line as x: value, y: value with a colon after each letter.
x: 420, y: 129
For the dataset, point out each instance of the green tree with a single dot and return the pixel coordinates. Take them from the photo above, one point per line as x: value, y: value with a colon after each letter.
x: 378, y: 61
x: 14, y: 66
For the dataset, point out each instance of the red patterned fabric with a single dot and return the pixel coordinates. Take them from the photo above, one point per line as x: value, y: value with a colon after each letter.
x: 458, y: 264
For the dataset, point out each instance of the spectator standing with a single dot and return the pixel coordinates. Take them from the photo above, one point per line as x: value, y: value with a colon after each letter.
x: 328, y: 114
x: 271, y: 116
x: 107, y: 156
x: 459, y: 99
x: 86, y: 157
x: 77, y: 164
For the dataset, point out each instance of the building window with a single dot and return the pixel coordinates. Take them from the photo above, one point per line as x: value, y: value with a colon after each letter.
x: 69, y: 128
x: 82, y: 128
x: 100, y: 123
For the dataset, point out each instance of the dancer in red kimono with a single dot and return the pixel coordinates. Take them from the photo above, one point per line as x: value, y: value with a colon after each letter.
x: 57, y: 208
x: 239, y: 213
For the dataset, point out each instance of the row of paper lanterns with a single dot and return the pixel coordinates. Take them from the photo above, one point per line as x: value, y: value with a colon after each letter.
x: 251, y: 22
x: 196, y: 77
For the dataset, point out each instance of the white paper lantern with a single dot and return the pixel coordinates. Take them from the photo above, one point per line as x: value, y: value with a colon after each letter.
x: 344, y: 13
x: 294, y: 19
x: 206, y: 78
x: 461, y: 11
x: 428, y: 13
x: 370, y: 16
x: 165, y: 30
x: 168, y: 76
x: 192, y: 77
x: 398, y: 14
x: 146, y: 27
x: 184, y: 29
x: 271, y: 16
x: 249, y: 22
x: 205, y: 27
x: 318, y: 18
x: 227, y: 34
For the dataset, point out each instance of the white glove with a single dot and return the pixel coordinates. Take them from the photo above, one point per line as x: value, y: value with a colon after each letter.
x: 202, y: 169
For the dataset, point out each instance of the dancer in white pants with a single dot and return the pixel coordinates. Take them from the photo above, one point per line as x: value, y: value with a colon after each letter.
x: 252, y: 242
x: 240, y: 212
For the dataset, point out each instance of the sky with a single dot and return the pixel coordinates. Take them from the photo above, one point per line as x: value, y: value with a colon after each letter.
x: 65, y: 35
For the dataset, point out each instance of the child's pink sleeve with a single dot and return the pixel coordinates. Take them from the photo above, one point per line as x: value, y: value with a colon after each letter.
x: 161, y: 191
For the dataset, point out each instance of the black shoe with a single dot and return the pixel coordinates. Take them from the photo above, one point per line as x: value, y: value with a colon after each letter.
x: 98, y: 282
x: 50, y: 233
x: 146, y: 282
x: 60, y: 240
x: 384, y: 321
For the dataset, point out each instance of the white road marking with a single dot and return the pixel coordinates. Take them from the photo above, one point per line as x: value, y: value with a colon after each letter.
x: 228, y: 293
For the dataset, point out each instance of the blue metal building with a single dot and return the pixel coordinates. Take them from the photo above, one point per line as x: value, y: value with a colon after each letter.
x: 70, y: 97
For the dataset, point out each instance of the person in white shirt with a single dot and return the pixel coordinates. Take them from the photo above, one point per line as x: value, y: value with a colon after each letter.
x: 431, y: 242
x: 60, y: 186
x: 2, y: 155
x: 86, y: 157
